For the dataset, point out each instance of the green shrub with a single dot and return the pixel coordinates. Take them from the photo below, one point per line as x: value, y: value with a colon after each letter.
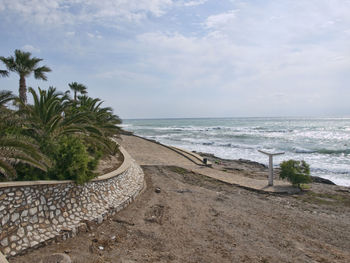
x: 26, y: 172
x: 72, y: 161
x: 297, y: 172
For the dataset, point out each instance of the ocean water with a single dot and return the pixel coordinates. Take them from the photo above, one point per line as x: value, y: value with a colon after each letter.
x: 324, y: 143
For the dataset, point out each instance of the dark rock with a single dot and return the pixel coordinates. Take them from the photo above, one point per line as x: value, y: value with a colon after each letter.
x: 252, y: 163
x: 124, y: 132
x: 321, y: 180
x: 157, y: 190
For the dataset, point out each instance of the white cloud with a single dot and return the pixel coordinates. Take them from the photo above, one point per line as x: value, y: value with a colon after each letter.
x: 221, y: 20
x: 194, y: 2
x: 231, y: 58
x: 238, y: 75
x: 96, y: 35
x: 69, y: 12
x: 30, y: 48
x: 129, y: 76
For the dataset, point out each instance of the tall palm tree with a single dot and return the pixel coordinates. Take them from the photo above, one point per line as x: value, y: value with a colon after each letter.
x: 24, y: 65
x: 77, y: 87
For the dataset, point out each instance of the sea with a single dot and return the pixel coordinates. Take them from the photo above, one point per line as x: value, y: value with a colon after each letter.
x: 324, y: 143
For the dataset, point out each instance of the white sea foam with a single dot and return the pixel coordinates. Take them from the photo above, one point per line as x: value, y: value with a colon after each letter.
x: 324, y: 143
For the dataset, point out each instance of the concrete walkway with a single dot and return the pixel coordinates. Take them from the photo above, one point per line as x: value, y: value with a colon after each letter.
x: 146, y: 152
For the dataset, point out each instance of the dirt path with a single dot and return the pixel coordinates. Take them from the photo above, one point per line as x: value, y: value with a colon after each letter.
x: 150, y: 153
x: 198, y: 219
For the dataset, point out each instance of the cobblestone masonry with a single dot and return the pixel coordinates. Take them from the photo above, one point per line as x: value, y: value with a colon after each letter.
x: 33, y: 214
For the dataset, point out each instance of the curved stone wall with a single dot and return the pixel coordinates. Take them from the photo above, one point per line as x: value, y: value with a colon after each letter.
x: 35, y: 212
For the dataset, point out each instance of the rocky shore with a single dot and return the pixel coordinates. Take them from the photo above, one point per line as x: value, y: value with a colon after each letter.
x: 250, y: 168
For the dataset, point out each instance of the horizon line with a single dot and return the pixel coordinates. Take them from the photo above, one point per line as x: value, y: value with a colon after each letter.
x: 242, y: 117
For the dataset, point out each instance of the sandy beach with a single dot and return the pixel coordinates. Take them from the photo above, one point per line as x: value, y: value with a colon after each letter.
x: 194, y: 218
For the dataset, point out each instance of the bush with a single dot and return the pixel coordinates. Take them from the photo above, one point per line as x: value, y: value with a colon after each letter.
x: 72, y: 161
x: 26, y: 172
x: 297, y: 172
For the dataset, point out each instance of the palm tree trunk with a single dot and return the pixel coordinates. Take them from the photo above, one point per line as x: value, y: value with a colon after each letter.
x: 22, y: 89
x: 75, y: 96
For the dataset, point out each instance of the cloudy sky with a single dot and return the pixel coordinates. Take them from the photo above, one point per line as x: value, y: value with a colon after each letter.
x: 190, y: 58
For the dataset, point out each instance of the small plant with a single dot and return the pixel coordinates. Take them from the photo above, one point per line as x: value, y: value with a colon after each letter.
x: 297, y: 172
x: 72, y: 161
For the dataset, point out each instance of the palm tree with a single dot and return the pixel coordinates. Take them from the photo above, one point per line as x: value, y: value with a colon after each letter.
x: 5, y: 96
x: 77, y: 87
x: 24, y: 65
x: 15, y: 148
x: 10, y: 122
x: 46, y: 118
x: 54, y: 115
x: 101, y: 117
x: 4, y: 73
x: 18, y: 149
x: 103, y: 123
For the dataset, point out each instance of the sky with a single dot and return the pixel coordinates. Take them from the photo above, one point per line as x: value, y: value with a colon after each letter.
x: 189, y: 58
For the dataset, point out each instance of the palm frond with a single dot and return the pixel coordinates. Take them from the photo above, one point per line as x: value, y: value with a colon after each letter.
x: 39, y: 73
x: 5, y: 96
x: 9, y: 62
x: 4, y: 73
x: 7, y: 169
x: 19, y: 149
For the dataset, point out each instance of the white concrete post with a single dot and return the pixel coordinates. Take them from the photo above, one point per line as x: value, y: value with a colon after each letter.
x: 270, y: 165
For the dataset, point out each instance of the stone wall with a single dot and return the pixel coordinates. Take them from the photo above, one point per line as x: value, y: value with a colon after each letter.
x: 35, y: 212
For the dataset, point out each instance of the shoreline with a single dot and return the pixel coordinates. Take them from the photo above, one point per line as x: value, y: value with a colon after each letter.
x: 320, y: 142
x: 259, y: 170
x: 246, y: 163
